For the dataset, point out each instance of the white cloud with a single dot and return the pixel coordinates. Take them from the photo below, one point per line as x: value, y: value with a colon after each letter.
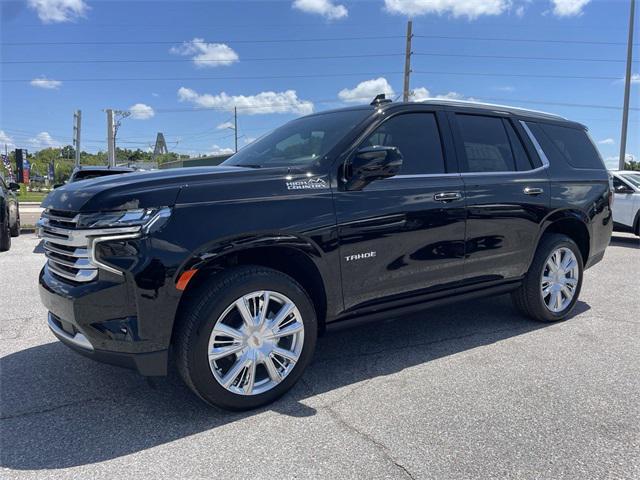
x: 607, y: 141
x: 217, y: 150
x: 225, y: 125
x: 140, y: 111
x: 154, y: 94
x: 43, y: 140
x: 421, y: 93
x: 5, y: 139
x: 612, y: 162
x: 261, y: 103
x: 47, y: 83
x: 206, y: 54
x: 458, y: 8
x: 249, y: 140
x: 635, y: 78
x: 56, y: 11
x: 326, y: 8
x: 568, y: 8
x: 505, y: 88
x: 366, y: 91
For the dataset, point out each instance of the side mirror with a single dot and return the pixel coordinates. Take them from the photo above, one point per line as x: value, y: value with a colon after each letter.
x: 372, y: 163
x: 14, y: 187
x: 623, y: 189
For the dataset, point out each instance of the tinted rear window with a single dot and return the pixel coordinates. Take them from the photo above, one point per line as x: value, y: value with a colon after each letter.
x: 571, y: 144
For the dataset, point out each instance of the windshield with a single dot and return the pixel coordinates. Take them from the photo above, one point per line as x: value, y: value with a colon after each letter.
x: 632, y: 178
x: 299, y: 142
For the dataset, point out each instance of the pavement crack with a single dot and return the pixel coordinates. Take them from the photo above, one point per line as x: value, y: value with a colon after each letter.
x: 381, y: 447
x: 53, y: 408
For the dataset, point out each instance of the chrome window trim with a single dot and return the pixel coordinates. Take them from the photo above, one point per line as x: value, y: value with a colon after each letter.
x: 426, y: 175
x: 534, y: 140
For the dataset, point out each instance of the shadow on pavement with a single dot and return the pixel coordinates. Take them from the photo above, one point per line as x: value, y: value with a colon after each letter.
x: 61, y: 410
x: 631, y: 242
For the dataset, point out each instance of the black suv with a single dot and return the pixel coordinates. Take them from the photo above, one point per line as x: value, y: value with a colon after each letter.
x: 9, y: 214
x: 374, y: 211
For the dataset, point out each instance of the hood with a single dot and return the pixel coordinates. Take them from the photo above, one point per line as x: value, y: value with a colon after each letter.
x: 158, y: 188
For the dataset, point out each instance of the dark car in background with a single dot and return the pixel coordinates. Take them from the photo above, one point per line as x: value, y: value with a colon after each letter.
x: 89, y: 172
x: 368, y: 212
x: 9, y: 214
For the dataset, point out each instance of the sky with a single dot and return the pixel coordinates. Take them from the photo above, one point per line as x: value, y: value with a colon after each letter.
x: 180, y: 67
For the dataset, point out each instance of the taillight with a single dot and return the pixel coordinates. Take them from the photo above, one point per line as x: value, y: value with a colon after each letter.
x: 611, y: 195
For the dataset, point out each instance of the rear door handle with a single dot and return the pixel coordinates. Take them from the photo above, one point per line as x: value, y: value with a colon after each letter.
x: 447, y: 196
x: 533, y: 190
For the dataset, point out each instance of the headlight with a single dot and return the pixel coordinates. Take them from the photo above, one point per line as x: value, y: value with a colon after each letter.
x: 142, y: 217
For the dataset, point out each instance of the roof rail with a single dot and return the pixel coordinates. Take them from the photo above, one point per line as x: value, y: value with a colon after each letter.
x: 473, y: 102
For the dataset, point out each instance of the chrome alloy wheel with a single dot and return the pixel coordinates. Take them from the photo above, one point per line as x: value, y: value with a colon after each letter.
x: 559, y: 279
x: 256, y: 343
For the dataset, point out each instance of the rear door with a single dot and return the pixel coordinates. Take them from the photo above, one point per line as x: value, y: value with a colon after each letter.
x: 507, y: 195
x: 397, y: 235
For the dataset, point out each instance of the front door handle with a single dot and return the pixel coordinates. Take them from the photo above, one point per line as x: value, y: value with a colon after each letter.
x: 533, y: 190
x: 447, y: 196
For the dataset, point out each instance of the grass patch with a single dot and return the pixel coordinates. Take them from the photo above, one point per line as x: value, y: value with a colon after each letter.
x: 32, y: 196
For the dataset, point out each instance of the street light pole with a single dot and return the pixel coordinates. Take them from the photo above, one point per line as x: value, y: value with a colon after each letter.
x: 627, y: 90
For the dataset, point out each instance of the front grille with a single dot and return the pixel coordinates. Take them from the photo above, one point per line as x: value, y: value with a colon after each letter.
x: 66, y: 247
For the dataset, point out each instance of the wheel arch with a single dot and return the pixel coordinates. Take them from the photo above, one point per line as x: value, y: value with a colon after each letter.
x: 294, y: 256
x: 573, y: 224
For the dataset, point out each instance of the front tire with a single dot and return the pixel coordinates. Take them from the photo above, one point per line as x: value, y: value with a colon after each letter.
x: 5, y: 234
x: 246, y: 338
x: 552, y: 285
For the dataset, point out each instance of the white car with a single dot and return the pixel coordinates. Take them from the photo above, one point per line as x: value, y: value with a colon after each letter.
x: 626, y: 206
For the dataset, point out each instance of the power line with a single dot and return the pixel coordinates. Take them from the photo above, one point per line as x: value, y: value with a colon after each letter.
x: 235, y: 77
x: 316, y: 39
x: 526, y: 75
x: 179, y: 42
x: 320, y: 75
x: 519, y: 57
x: 189, y: 60
x: 524, y: 40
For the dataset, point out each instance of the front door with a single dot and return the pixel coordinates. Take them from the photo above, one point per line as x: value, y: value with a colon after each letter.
x: 404, y: 234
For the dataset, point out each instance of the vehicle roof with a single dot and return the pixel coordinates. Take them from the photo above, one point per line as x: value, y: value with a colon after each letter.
x: 467, y: 105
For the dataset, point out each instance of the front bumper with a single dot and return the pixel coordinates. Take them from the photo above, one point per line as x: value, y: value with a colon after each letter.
x: 106, y: 320
x: 147, y: 364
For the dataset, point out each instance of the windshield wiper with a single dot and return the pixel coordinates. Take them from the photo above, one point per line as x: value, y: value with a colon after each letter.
x: 248, y: 165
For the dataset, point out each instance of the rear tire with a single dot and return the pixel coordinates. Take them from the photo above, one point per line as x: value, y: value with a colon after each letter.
x: 549, y: 295
x: 244, y: 370
x: 5, y: 234
x: 15, y: 228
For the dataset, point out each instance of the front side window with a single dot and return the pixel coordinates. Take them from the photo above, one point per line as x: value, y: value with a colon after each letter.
x: 300, y: 142
x: 417, y: 137
x: 486, y: 144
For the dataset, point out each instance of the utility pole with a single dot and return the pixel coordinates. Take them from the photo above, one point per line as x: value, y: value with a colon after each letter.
x: 627, y: 90
x: 77, y: 121
x: 407, y: 62
x: 235, y: 126
x: 111, y: 147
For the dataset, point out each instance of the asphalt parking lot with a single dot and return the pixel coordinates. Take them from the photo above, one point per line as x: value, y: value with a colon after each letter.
x: 470, y: 390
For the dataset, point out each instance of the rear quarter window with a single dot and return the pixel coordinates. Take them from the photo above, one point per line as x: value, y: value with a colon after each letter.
x: 572, y: 145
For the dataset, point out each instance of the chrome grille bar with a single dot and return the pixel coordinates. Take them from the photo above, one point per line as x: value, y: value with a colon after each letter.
x: 68, y: 249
